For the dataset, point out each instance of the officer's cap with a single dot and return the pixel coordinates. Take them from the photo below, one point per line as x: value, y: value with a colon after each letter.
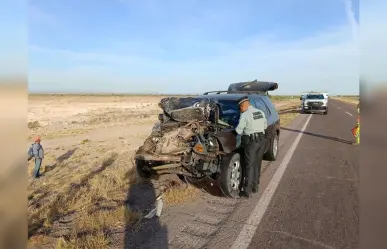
x: 242, y: 100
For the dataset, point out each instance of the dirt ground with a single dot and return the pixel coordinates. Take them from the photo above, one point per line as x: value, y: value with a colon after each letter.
x: 85, y: 195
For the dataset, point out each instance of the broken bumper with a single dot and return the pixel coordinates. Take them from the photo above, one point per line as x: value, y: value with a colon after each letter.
x: 153, y: 157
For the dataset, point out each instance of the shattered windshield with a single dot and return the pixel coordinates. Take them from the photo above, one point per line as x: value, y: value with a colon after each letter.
x: 229, y: 112
x: 188, y: 109
x: 315, y: 96
x: 174, y: 103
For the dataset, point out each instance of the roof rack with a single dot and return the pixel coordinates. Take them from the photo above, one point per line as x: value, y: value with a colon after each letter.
x: 216, y: 92
x: 235, y: 92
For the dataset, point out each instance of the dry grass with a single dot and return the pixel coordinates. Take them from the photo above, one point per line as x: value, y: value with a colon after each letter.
x: 350, y: 99
x: 289, y: 112
x: 38, y: 240
x: 98, y: 241
x: 92, y: 230
x: 33, y: 125
x: 59, y: 133
x: 180, y: 194
x: 287, y: 118
x: 82, y: 201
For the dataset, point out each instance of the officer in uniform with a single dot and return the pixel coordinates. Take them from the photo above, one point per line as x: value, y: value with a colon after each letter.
x: 252, y: 125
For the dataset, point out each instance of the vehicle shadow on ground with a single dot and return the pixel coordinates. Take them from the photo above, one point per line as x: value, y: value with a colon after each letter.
x: 320, y: 136
x: 60, y: 160
x: 145, y: 233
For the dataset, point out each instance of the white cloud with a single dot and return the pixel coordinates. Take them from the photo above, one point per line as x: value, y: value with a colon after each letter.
x: 351, y: 19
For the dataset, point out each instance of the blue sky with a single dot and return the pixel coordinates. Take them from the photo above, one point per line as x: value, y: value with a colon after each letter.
x: 13, y: 42
x: 192, y: 46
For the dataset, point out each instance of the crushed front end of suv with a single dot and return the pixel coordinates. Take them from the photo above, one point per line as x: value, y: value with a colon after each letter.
x: 195, y: 139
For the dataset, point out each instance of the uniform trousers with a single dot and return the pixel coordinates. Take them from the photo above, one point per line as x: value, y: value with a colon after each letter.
x: 253, y: 146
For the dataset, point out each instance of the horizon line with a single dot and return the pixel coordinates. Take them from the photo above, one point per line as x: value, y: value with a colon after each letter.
x: 156, y: 94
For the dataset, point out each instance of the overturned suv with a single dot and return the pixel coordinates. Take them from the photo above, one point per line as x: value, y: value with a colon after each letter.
x: 195, y: 138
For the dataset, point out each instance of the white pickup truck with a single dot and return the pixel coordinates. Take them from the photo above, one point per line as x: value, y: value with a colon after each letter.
x: 314, y: 103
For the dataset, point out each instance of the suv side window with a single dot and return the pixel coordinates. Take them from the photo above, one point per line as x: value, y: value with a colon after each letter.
x: 262, y: 106
x: 265, y: 105
x: 269, y: 104
x: 252, y: 101
x: 269, y: 108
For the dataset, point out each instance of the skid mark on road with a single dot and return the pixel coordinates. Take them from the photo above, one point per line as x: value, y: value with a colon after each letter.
x: 247, y: 233
x: 202, y: 227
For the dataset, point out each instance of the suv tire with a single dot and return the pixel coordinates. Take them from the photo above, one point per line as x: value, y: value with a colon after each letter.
x: 231, y: 175
x: 271, y: 154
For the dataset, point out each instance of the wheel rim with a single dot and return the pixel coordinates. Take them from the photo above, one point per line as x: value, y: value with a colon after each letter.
x: 275, y: 146
x: 235, y: 175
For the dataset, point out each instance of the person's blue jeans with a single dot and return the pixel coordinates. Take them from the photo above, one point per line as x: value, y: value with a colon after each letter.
x: 38, y: 163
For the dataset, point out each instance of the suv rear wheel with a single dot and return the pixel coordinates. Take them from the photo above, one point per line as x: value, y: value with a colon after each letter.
x: 271, y: 154
x: 231, y: 175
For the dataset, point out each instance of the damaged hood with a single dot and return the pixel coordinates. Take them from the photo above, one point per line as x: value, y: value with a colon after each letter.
x: 187, y: 109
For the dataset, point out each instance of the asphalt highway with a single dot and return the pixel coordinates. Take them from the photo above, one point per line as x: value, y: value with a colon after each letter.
x: 316, y: 203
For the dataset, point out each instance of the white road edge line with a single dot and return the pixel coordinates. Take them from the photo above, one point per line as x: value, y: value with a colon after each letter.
x: 247, y: 233
x: 349, y: 113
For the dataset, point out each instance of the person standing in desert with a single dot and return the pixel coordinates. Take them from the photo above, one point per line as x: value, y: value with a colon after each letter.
x: 36, y: 151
